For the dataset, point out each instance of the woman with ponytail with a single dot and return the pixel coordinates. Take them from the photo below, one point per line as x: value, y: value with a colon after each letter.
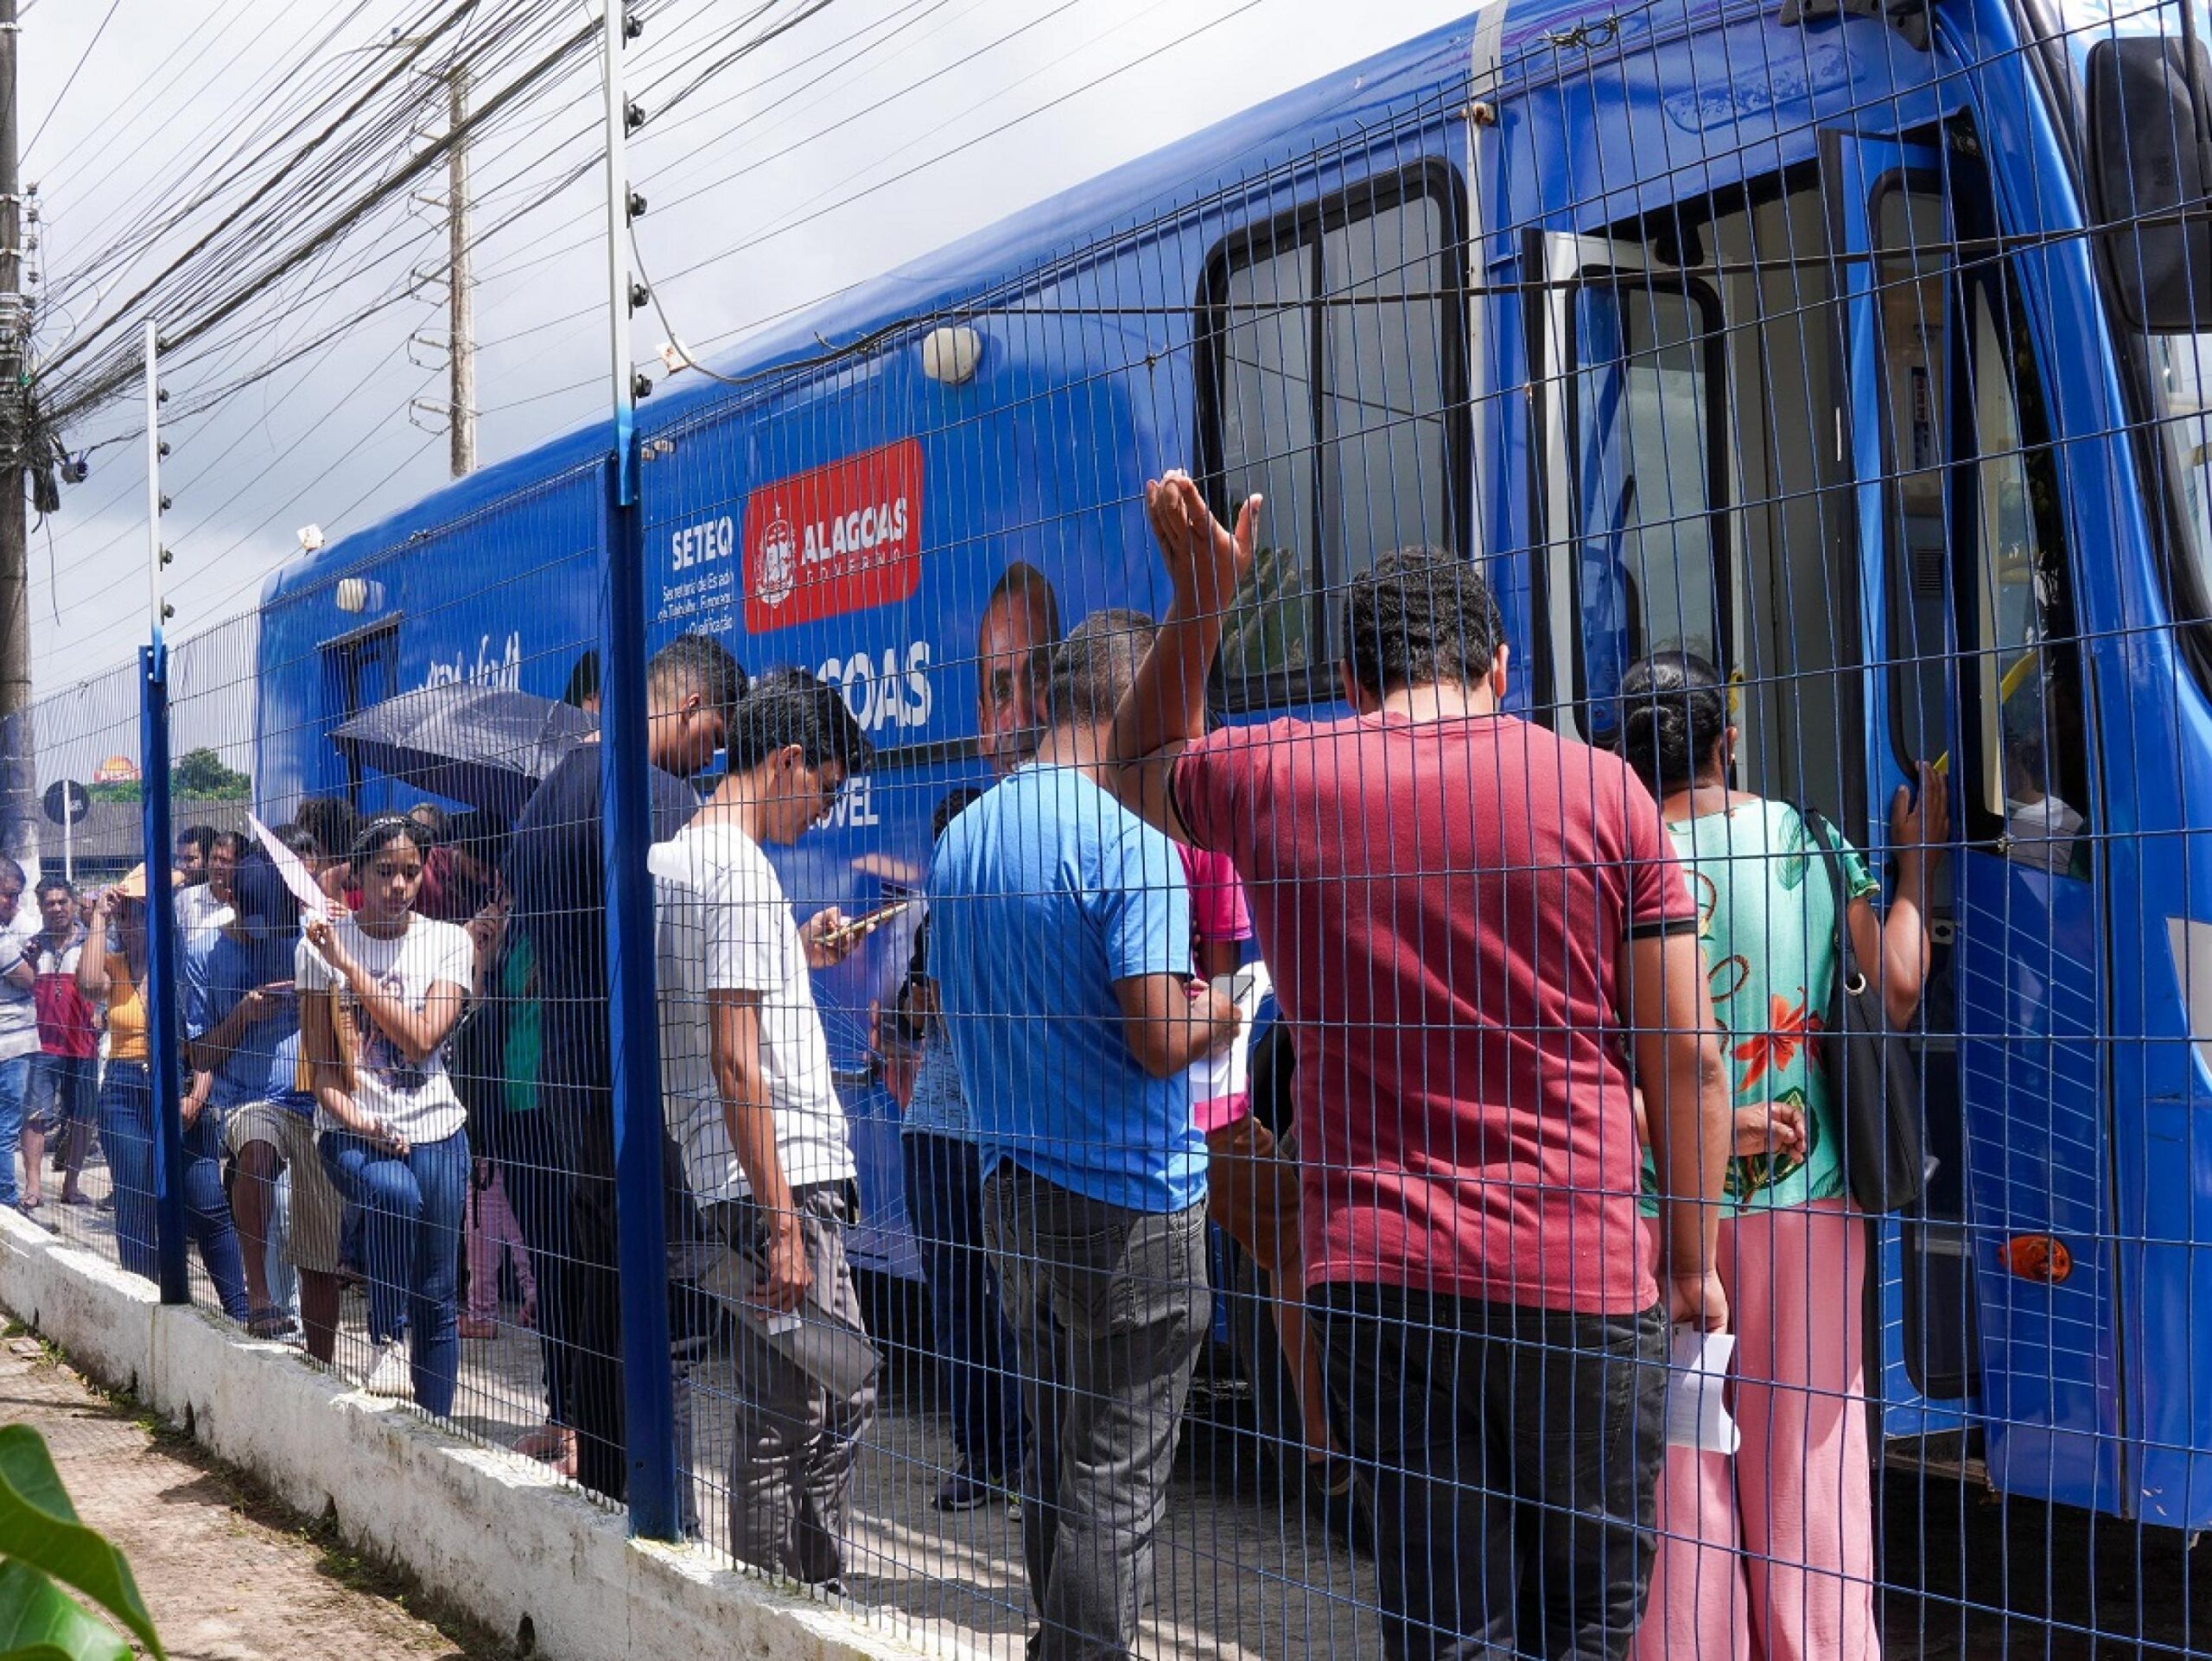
x: 1770, y: 1555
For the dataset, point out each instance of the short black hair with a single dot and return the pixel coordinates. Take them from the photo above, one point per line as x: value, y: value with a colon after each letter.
x: 47, y: 884
x: 10, y: 872
x: 696, y: 663
x: 299, y: 839
x: 583, y: 681
x: 1092, y: 669
x: 201, y: 836
x: 796, y: 706
x: 331, y: 821
x: 432, y: 818
x: 233, y: 840
x: 1419, y: 617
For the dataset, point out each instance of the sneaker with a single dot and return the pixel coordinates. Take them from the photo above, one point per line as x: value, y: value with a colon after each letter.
x: 964, y: 1491
x: 390, y: 1374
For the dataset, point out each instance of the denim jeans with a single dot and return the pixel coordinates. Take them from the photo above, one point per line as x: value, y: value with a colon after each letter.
x: 127, y: 1133
x: 1513, y: 1455
x: 15, y: 1076
x: 944, y: 1202
x: 1109, y: 1307
x: 411, y: 1211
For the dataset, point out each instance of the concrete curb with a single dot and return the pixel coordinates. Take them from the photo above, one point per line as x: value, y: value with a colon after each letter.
x: 498, y: 1534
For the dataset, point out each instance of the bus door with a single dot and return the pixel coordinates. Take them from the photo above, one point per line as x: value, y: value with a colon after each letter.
x: 1637, y: 557
x: 1966, y: 616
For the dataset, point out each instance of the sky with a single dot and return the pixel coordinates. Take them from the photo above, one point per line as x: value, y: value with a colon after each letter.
x: 871, y: 133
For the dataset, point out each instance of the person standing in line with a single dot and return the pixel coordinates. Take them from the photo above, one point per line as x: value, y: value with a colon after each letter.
x: 193, y: 844
x: 556, y: 882
x: 944, y: 1204
x: 18, y: 1022
x: 382, y: 987
x: 752, y: 1102
x: 112, y: 971
x: 242, y: 1035
x: 1770, y: 1554
x: 1467, y: 915
x: 1060, y: 940
x: 58, y: 1101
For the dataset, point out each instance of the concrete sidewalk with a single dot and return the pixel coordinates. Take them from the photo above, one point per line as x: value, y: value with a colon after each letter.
x: 228, y: 1575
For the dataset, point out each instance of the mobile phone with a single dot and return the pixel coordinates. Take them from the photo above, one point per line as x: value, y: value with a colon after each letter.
x: 860, y: 928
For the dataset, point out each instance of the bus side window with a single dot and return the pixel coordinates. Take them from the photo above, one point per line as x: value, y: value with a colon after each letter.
x: 2033, y: 762
x: 1331, y: 380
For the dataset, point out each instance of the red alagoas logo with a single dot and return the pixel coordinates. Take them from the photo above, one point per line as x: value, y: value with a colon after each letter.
x: 837, y: 538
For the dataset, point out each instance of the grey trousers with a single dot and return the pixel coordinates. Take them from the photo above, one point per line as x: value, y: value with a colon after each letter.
x: 1109, y: 1309
x: 796, y: 1444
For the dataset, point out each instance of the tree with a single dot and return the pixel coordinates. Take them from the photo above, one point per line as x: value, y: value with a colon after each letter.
x: 200, y: 776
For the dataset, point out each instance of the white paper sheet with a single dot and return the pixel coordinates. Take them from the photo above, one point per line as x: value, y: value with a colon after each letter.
x: 293, y: 869
x: 1697, y: 1409
x: 1228, y: 1072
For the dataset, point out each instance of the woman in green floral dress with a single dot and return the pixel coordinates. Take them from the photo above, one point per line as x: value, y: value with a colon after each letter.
x: 1770, y: 1554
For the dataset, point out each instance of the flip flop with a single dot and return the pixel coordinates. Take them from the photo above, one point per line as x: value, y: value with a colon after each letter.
x: 268, y: 1323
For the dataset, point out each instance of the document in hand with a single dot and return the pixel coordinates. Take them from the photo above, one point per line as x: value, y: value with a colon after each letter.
x: 293, y: 869
x: 1697, y: 1377
x: 1227, y: 1073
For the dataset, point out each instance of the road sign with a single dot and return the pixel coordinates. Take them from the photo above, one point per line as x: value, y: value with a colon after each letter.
x: 68, y: 802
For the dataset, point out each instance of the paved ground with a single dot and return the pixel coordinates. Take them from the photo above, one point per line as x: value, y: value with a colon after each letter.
x: 227, y: 1576
x: 1239, y: 1574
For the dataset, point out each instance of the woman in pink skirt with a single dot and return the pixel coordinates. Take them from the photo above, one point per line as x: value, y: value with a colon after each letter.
x: 1770, y: 1554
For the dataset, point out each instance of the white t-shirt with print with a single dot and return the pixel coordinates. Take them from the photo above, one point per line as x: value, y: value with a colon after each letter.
x: 724, y: 925
x: 416, y: 1098
x: 18, y: 1005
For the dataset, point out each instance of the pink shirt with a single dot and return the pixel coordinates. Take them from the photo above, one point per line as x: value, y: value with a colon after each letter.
x: 1219, y: 915
x: 1443, y: 906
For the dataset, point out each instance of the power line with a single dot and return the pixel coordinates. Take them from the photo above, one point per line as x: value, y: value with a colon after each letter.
x: 62, y: 97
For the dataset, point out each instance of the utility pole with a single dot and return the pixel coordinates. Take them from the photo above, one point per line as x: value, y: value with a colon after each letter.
x: 462, y: 352
x: 17, y: 832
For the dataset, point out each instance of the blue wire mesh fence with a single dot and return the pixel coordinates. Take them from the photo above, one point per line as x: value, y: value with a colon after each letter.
x: 1227, y: 1138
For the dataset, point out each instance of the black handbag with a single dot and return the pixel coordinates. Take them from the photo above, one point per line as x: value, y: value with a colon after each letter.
x: 1869, y: 1067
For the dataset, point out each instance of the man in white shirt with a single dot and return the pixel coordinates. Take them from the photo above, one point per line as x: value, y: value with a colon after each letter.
x: 18, y: 1018
x: 751, y: 1102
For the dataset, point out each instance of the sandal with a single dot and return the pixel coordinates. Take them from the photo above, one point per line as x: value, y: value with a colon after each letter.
x: 268, y: 1323
x: 553, y: 1444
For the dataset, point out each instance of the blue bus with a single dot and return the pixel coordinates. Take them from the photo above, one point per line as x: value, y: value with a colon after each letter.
x: 1856, y: 344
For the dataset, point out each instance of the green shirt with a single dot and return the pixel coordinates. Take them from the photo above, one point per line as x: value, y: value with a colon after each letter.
x: 1767, y: 920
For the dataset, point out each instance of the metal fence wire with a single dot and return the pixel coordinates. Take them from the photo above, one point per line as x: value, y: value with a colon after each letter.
x: 1581, y: 1032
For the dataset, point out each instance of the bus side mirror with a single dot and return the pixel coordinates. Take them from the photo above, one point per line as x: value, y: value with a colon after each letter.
x: 2150, y: 123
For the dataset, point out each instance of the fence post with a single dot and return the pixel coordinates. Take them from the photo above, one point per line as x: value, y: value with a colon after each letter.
x: 161, y: 1028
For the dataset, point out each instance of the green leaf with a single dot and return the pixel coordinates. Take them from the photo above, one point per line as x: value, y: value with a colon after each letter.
x: 39, y: 1528
x: 40, y: 1622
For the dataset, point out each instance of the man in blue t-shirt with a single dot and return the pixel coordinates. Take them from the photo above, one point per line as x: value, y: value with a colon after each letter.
x: 242, y: 1033
x: 1061, y: 946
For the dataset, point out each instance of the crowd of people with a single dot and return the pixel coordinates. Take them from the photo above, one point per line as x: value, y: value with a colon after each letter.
x: 1547, y: 1018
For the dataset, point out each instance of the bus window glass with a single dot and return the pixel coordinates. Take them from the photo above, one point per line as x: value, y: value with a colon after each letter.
x: 1383, y: 409
x: 2181, y: 379
x: 2033, y: 776
x: 1911, y: 274
x: 1265, y: 369
x: 1644, y: 492
x: 1333, y: 345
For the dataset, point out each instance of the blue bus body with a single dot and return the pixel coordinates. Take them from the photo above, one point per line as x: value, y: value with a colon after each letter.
x: 1920, y: 490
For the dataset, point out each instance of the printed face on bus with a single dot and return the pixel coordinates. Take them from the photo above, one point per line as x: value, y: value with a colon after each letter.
x: 1012, y: 662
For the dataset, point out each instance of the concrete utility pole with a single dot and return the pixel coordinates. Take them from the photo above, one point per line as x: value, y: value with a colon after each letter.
x: 461, y: 301
x: 18, y: 833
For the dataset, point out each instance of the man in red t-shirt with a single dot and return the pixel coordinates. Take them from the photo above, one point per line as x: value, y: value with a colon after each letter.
x: 1476, y: 928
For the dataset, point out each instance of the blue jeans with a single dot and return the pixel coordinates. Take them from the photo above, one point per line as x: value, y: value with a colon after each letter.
x: 15, y: 1075
x: 127, y: 1134
x: 411, y: 1212
x: 944, y: 1202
